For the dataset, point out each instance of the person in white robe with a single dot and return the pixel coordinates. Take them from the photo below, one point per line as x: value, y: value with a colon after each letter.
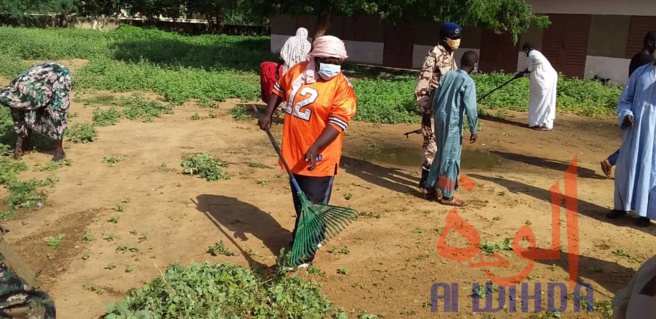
x: 638, y: 299
x: 544, y: 83
x: 295, y: 50
x: 635, y: 173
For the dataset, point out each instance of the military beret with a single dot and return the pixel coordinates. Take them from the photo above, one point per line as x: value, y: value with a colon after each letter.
x: 451, y: 30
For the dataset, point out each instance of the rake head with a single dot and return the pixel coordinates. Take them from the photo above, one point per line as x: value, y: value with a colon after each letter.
x: 318, y: 224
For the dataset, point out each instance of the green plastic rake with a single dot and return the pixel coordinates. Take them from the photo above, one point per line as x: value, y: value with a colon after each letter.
x: 318, y: 223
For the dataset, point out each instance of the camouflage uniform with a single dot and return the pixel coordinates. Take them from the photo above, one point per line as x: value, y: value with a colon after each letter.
x: 437, y: 63
x: 18, y: 298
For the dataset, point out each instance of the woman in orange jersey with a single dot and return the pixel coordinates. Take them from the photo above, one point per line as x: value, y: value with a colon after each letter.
x: 320, y: 104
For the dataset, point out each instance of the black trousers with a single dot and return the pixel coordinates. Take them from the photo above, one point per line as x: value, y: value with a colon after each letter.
x: 316, y: 189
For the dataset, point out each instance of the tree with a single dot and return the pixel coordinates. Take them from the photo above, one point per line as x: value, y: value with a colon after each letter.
x: 213, y: 11
x: 512, y: 16
x: 27, y: 11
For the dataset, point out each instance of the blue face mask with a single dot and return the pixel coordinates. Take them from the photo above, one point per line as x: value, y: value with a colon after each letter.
x: 329, y: 71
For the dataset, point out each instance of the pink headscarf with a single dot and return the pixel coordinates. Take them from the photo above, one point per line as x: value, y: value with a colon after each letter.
x: 326, y: 46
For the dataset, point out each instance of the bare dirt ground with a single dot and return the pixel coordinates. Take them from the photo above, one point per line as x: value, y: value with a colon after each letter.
x: 392, y: 257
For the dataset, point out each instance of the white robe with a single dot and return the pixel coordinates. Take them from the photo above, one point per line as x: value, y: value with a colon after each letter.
x: 635, y: 172
x: 544, y: 81
x: 628, y: 303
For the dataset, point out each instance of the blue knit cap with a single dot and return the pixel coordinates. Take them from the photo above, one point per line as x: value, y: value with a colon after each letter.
x: 450, y: 30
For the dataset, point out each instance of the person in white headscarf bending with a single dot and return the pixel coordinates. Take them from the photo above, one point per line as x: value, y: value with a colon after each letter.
x: 295, y: 50
x: 544, y: 82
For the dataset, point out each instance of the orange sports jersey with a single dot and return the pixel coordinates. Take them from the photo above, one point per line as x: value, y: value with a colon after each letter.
x: 312, y: 108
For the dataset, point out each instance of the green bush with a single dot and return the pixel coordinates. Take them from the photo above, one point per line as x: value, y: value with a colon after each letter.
x: 386, y: 100
x: 221, y: 291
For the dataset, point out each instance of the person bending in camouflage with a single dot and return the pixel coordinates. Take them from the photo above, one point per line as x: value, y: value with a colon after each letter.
x: 19, y: 297
x: 39, y: 99
x: 438, y: 61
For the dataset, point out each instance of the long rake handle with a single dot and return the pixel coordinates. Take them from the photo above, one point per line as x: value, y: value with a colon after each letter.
x: 498, y: 87
x: 282, y: 159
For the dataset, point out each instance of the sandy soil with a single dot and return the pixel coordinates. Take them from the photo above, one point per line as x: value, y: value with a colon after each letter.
x: 393, y: 260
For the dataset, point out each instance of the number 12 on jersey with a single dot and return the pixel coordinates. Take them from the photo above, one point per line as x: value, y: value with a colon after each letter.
x: 310, y: 96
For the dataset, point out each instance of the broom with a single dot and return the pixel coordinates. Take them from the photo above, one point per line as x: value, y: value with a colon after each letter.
x: 318, y: 223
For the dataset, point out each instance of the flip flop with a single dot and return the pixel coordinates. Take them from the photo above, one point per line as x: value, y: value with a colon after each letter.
x: 453, y: 202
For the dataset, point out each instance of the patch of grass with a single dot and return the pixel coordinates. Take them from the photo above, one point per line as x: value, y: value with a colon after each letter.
x: 222, y: 291
x: 262, y: 181
x: 256, y: 165
x: 126, y: 248
x: 107, y: 117
x: 622, y: 253
x: 143, y: 237
x: 94, y: 288
x: 99, y: 99
x: 369, y: 215
x: 88, y: 236
x: 111, y: 160
x: 138, y: 108
x: 239, y: 113
x: 219, y: 249
x: 54, y: 241
x: 52, y: 166
x: 491, y: 248
x: 7, y: 215
x: 26, y: 193
x: 316, y: 271
x: 9, y: 170
x: 22, y: 193
x: 605, y: 308
x: 81, y: 133
x: 134, y: 107
x: 205, y: 166
x: 343, y: 271
x: 113, y: 219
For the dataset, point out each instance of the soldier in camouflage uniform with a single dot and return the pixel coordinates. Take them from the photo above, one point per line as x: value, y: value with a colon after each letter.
x: 19, y: 296
x: 438, y: 61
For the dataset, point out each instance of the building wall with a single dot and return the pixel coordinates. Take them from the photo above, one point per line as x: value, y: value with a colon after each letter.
x: 595, y: 7
x: 586, y: 38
